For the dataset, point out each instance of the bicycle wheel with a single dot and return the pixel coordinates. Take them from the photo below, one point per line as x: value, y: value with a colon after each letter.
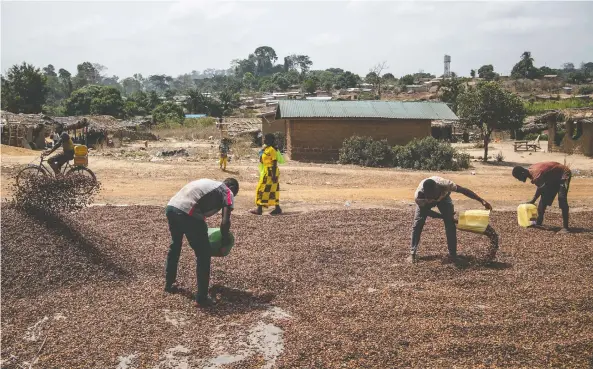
x: 88, y: 184
x: 30, y: 172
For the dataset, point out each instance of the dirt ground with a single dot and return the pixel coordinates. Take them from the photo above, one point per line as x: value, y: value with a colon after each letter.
x: 128, y: 176
x: 324, y: 289
x: 324, y: 286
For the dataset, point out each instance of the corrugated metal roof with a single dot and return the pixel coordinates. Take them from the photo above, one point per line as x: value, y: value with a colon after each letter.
x: 289, y: 109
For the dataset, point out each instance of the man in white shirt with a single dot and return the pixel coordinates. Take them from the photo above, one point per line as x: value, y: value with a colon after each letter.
x: 436, y: 191
x: 186, y: 213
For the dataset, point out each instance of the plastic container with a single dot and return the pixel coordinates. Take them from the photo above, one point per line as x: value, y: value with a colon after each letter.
x: 526, y: 215
x: 81, y: 150
x: 82, y: 161
x: 216, y: 247
x: 474, y: 221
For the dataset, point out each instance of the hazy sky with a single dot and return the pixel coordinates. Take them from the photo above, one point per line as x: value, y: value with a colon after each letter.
x: 178, y: 37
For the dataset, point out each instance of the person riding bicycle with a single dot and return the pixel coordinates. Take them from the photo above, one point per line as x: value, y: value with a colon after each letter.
x: 56, y: 162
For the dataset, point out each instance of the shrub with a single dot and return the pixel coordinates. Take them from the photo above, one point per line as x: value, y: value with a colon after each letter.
x: 533, y: 137
x: 366, y: 152
x: 199, y: 122
x: 586, y: 90
x: 429, y: 154
x: 499, y: 157
x: 168, y: 112
x: 425, y: 154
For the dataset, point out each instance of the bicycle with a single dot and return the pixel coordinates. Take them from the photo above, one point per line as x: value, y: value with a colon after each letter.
x: 42, y: 170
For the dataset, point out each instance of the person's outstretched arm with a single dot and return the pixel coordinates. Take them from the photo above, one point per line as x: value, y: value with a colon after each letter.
x: 472, y: 195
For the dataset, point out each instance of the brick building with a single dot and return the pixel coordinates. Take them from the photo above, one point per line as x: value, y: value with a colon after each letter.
x: 315, y: 130
x: 269, y: 123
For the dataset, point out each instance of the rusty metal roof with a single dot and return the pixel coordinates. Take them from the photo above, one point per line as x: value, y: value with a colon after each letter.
x: 290, y: 109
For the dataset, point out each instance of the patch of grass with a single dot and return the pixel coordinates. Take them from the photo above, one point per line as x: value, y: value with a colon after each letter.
x: 539, y: 107
x: 242, y: 149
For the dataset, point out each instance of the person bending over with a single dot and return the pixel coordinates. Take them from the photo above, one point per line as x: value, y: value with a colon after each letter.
x: 551, y: 179
x: 436, y: 191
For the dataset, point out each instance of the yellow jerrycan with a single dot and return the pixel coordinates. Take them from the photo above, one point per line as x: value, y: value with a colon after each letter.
x: 81, y: 155
x: 474, y: 221
x: 526, y: 215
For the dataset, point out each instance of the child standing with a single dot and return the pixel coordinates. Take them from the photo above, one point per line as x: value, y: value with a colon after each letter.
x: 223, y: 148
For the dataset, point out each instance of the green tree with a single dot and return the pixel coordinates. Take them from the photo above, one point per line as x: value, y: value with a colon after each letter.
x: 24, y: 89
x: 487, y: 72
x: 242, y: 66
x: 347, y: 80
x: 372, y: 78
x: 249, y: 81
x: 524, y: 68
x: 408, y: 79
x: 309, y: 85
x: 546, y: 71
x: 587, y: 68
x: 66, y: 81
x: 280, y: 80
x: 472, y: 73
x: 88, y: 74
x: 300, y: 63
x: 95, y: 100
x: 138, y: 103
x: 50, y: 71
x: 130, y: 85
x: 568, y: 67
x: 265, y: 57
x: 450, y: 90
x: 228, y: 100
x: 577, y: 77
x: 169, y: 95
x: 388, y: 77
x: 160, y: 82
x: 490, y: 107
x: 153, y: 100
x: 168, y: 112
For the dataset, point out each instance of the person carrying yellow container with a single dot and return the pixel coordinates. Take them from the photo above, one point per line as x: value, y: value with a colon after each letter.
x: 267, y: 192
x: 56, y: 162
x: 551, y: 179
x: 436, y: 191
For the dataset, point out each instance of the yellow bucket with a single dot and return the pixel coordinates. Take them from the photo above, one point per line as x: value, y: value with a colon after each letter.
x: 81, y: 150
x: 526, y: 215
x: 474, y: 220
x: 81, y: 161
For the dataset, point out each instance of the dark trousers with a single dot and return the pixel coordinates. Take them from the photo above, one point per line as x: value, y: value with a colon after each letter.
x: 196, y: 232
x: 445, y: 206
x: 548, y: 198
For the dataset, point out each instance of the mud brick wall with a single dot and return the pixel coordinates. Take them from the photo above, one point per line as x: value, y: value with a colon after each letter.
x: 321, y: 140
x: 582, y: 145
x: 271, y: 125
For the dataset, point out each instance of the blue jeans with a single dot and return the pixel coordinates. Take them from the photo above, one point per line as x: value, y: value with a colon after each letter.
x: 447, y: 210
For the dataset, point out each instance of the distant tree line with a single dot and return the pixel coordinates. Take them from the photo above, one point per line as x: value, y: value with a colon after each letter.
x: 525, y: 68
x: 91, y: 90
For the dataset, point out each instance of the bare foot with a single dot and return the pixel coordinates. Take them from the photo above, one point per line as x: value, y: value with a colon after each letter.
x: 411, y: 259
x: 563, y: 231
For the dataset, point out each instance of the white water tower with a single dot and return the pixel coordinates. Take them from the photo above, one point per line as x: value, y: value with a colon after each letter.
x: 447, y: 73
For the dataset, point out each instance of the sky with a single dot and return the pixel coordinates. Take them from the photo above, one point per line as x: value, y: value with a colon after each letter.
x: 177, y: 37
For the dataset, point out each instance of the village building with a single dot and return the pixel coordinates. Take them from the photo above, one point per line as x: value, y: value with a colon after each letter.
x: 26, y: 130
x: 316, y: 130
x: 569, y: 130
x: 269, y: 123
x: 578, y: 133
